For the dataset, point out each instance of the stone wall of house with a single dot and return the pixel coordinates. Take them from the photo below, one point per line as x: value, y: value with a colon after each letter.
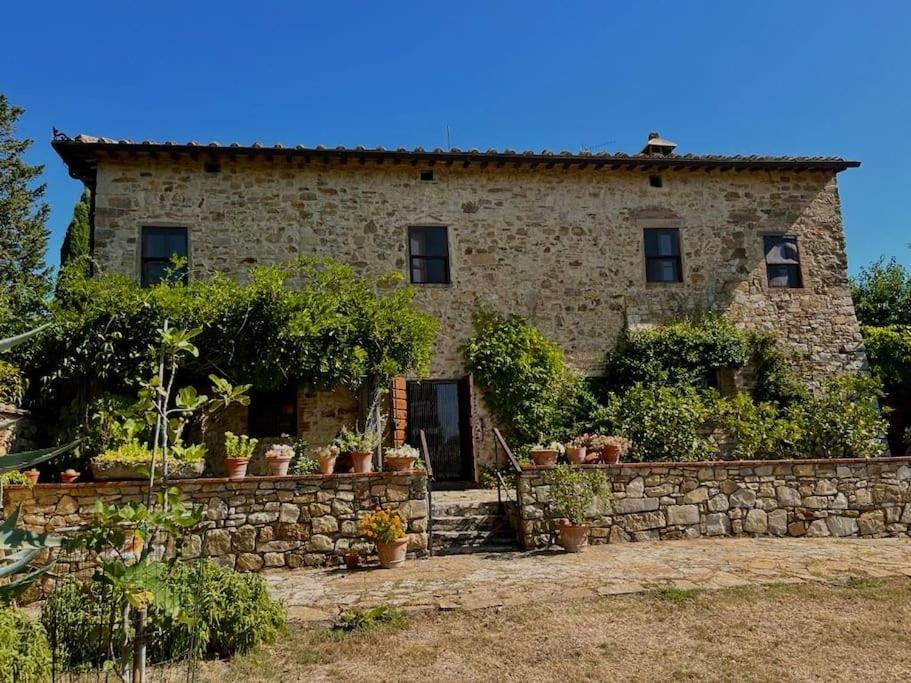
x: 653, y: 501
x: 256, y: 523
x: 562, y: 247
x: 20, y: 431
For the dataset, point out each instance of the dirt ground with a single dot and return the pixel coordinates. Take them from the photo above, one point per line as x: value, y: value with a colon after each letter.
x: 855, y: 629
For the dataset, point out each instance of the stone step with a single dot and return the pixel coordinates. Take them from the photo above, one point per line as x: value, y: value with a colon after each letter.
x: 476, y: 549
x: 472, y: 539
x: 446, y: 509
x: 469, y: 523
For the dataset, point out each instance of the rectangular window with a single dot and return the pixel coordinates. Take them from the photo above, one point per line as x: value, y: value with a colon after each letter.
x: 273, y: 413
x: 428, y: 250
x: 782, y: 261
x: 662, y: 255
x: 159, y: 245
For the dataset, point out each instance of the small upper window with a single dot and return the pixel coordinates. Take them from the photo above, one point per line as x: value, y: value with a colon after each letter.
x: 782, y: 261
x: 159, y: 246
x: 429, y: 255
x: 662, y: 255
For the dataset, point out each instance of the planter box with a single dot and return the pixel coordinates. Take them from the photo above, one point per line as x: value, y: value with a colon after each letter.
x: 113, y: 470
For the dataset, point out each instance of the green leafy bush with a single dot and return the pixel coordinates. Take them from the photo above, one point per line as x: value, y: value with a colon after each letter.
x: 573, y: 490
x: 221, y: 613
x: 683, y: 354
x: 663, y: 423
x: 758, y: 430
x: 843, y: 420
x: 775, y: 379
x: 882, y: 294
x: 25, y: 656
x: 889, y: 353
x: 365, y: 620
x: 527, y: 387
x: 11, y: 383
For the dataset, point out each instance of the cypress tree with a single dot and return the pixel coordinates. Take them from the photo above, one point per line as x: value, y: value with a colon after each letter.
x: 24, y: 275
x: 75, y: 247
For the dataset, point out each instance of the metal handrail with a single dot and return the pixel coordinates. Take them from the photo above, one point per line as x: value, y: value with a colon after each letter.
x: 425, y: 456
x: 509, y: 455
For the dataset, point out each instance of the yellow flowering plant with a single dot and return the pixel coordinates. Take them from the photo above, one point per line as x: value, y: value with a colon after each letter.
x: 383, y: 526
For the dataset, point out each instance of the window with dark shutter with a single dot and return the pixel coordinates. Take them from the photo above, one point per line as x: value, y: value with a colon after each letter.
x: 662, y: 255
x: 782, y: 260
x: 159, y: 246
x: 428, y: 251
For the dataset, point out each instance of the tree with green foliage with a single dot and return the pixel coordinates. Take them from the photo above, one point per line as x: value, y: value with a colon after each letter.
x: 882, y: 294
x: 75, y: 247
x: 24, y: 275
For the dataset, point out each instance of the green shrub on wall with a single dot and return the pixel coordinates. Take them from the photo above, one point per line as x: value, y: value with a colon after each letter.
x: 684, y: 354
x: 25, y: 656
x: 663, y: 423
x: 11, y: 384
x: 758, y: 430
x: 527, y: 387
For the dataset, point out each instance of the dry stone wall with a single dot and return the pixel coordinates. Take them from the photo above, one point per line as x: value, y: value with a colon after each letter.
x: 257, y: 523
x: 657, y: 501
x: 562, y: 247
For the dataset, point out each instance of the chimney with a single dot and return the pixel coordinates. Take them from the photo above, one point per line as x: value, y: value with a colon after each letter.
x: 656, y: 146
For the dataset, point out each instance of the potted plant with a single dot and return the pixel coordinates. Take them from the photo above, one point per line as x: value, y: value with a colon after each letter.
x: 359, y: 445
x: 326, y: 457
x: 32, y: 476
x: 386, y: 528
x: 612, y: 447
x: 133, y: 460
x: 401, y: 459
x: 69, y: 476
x: 278, y: 459
x: 576, y: 450
x: 546, y: 455
x: 572, y: 491
x: 238, y: 451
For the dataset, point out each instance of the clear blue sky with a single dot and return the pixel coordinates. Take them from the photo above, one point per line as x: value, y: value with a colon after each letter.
x: 771, y: 77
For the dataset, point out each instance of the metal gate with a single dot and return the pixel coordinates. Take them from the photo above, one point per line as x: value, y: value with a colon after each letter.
x: 439, y: 407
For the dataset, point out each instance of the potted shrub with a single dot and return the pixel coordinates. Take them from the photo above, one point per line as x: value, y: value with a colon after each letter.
x: 326, y: 457
x: 278, y: 459
x: 401, y: 459
x: 572, y: 491
x: 546, y: 455
x: 359, y: 445
x: 386, y: 528
x: 576, y: 450
x: 238, y: 451
x: 612, y: 447
x: 32, y: 476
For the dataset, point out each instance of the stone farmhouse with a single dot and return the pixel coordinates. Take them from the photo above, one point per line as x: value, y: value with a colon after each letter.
x: 582, y: 244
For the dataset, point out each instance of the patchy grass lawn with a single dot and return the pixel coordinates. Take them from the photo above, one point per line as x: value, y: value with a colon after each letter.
x: 858, y: 630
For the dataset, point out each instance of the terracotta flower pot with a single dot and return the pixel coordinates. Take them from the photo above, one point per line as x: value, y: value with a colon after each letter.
x: 32, y: 476
x: 69, y: 476
x: 392, y: 554
x: 544, y: 457
x: 278, y: 464
x: 352, y: 560
x: 610, y: 454
x: 576, y: 454
x: 399, y: 463
x: 327, y: 464
x: 236, y: 468
x: 574, y: 537
x: 362, y: 461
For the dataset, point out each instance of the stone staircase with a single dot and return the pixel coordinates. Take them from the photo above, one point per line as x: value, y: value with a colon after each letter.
x: 470, y: 522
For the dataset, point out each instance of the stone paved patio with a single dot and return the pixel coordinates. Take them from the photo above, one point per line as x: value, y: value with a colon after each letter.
x: 495, y: 579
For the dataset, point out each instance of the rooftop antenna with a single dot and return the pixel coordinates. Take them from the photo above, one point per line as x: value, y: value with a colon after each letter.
x: 448, y: 138
x: 583, y: 148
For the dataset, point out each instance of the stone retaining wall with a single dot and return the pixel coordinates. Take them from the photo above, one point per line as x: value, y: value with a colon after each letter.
x: 652, y: 501
x: 251, y: 524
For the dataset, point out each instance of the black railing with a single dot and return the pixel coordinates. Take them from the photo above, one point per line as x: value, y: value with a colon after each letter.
x: 513, y: 463
x: 428, y: 466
